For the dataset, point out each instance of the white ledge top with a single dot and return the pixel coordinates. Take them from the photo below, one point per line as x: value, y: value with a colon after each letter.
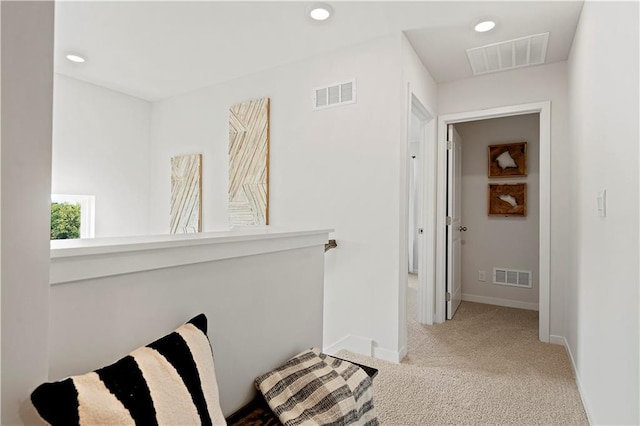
x: 78, y: 260
x: 93, y: 246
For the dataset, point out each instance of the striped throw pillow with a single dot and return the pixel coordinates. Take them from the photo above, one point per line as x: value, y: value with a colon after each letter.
x: 171, y: 381
x: 315, y: 389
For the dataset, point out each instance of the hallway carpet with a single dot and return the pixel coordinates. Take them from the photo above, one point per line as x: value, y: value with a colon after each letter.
x: 486, y: 366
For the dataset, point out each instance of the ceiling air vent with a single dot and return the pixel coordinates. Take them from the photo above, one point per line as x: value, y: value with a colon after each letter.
x: 512, y: 277
x: 335, y: 95
x: 507, y: 55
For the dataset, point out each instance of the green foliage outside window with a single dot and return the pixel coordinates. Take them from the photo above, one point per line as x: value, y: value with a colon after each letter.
x: 65, y: 221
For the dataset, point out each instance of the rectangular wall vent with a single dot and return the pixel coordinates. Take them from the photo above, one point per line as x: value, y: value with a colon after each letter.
x: 336, y: 94
x: 512, y: 277
x: 510, y: 54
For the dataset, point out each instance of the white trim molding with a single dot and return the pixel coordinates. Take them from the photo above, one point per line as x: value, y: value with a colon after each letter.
x: 387, y: 354
x: 426, y: 277
x: 557, y: 340
x: 544, y: 110
x: 356, y: 344
x: 364, y: 346
x: 76, y: 260
x: 499, y: 302
x: 426, y: 219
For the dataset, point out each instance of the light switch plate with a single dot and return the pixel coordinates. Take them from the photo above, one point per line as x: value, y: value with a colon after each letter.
x: 481, y: 276
x: 602, y: 203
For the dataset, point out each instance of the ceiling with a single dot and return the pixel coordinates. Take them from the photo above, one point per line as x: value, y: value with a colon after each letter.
x: 154, y: 50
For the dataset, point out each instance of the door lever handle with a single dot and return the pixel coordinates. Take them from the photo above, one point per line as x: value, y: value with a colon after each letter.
x: 462, y: 228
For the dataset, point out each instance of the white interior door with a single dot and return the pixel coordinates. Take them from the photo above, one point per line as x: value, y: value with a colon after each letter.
x: 454, y: 224
x: 415, y: 196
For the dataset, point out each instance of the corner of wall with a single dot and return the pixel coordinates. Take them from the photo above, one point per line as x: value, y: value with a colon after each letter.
x: 418, y: 76
x: 558, y: 340
x: 583, y: 395
x: 365, y: 346
x: 388, y: 354
x: 351, y: 343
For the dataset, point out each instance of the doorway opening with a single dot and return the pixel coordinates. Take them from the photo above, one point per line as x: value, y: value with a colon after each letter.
x: 418, y: 265
x: 492, y: 233
x: 416, y: 141
x: 415, y: 151
x: 543, y: 110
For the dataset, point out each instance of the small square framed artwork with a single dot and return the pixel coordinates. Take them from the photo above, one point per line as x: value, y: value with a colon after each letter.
x: 507, y: 199
x: 508, y: 160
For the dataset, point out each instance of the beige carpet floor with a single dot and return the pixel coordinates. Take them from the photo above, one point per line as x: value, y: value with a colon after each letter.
x: 484, y: 367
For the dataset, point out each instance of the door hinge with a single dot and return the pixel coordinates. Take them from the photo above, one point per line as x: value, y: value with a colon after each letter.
x: 448, y: 297
x: 448, y: 220
x: 449, y: 144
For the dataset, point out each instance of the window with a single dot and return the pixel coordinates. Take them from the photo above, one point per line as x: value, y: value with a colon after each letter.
x: 72, y: 216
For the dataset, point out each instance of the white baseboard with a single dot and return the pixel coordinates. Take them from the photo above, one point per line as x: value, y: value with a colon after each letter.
x: 499, y: 302
x: 364, y: 346
x: 403, y: 353
x: 387, y: 355
x: 557, y: 340
x: 583, y: 396
x: 351, y: 343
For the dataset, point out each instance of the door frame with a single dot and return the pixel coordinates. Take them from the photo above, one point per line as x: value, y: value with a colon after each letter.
x: 544, y: 111
x: 426, y: 246
x: 426, y: 243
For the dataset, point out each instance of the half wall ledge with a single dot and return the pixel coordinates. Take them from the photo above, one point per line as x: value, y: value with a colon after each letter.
x: 75, y: 260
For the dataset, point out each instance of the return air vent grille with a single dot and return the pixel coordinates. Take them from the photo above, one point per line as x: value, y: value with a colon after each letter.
x: 335, y: 95
x: 510, y: 54
x: 512, y: 277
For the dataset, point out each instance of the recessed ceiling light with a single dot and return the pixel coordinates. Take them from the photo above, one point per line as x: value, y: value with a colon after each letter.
x: 74, y: 57
x: 485, y: 26
x: 320, y: 11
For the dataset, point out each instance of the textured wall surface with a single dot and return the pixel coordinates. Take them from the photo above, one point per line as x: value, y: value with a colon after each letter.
x: 249, y: 163
x: 186, y: 192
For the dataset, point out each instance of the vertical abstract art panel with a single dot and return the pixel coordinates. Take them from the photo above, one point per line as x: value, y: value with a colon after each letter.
x: 249, y: 163
x: 186, y: 194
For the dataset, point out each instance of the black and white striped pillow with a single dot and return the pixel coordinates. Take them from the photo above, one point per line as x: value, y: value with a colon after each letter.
x: 171, y: 381
x: 313, y: 388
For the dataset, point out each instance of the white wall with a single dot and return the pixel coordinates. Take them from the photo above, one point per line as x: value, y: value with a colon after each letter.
x: 602, y: 327
x: 498, y: 241
x: 101, y: 141
x: 541, y: 83
x: 417, y: 78
x: 335, y: 167
x: 27, y: 91
x: 261, y: 309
